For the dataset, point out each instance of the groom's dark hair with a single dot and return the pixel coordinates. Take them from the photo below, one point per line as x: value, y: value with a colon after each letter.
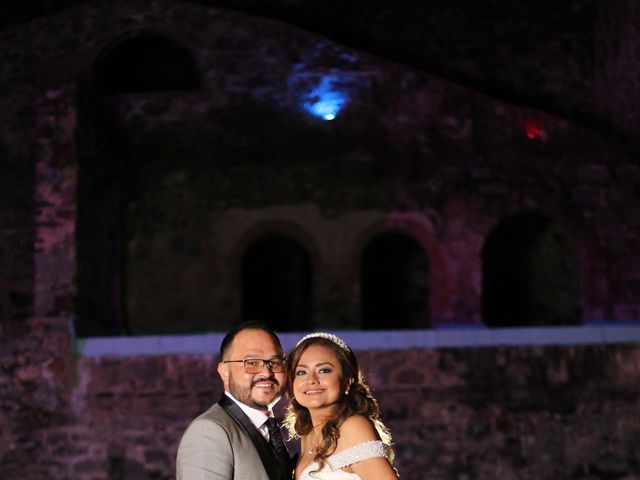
x: 254, y: 324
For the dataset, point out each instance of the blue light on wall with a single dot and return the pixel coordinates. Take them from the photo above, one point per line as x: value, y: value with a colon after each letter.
x: 326, y: 99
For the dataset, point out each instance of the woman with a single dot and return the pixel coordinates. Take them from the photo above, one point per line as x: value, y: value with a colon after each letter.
x: 334, y: 413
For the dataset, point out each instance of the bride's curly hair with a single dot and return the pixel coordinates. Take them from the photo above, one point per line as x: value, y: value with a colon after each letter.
x: 358, y: 401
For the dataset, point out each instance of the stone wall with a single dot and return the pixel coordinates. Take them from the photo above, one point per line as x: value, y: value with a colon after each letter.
x: 481, y: 413
x: 616, y: 86
x: 84, y: 173
x: 99, y: 185
x: 17, y: 150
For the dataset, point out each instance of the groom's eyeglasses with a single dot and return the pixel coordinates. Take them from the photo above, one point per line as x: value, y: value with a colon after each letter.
x: 254, y: 365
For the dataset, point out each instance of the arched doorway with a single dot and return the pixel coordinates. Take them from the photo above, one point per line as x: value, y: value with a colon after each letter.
x: 276, y: 283
x: 395, y: 283
x: 117, y: 168
x: 146, y: 63
x: 530, y: 274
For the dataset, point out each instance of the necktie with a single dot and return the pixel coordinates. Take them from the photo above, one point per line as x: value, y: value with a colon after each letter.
x: 275, y: 440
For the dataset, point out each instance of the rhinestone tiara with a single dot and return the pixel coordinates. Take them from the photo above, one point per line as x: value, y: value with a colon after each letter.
x: 327, y: 336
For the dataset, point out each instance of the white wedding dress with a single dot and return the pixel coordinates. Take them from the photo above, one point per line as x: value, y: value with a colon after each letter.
x: 333, y: 465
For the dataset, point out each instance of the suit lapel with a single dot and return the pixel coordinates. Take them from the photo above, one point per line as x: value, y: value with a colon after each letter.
x: 269, y: 460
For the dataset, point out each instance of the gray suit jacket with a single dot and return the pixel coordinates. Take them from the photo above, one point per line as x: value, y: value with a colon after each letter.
x: 222, y: 444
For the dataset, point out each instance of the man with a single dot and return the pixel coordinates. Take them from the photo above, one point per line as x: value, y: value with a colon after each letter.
x: 237, y: 438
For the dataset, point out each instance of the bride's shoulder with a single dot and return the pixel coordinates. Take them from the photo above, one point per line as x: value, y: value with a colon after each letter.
x: 356, y: 429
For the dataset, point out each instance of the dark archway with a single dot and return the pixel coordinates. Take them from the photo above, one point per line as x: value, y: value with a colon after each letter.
x: 530, y: 274
x: 276, y: 284
x: 146, y: 63
x: 105, y: 173
x: 395, y: 283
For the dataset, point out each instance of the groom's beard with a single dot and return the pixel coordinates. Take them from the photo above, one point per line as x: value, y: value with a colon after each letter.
x: 244, y: 393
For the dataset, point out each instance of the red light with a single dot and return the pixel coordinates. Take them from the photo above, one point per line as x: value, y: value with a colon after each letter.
x: 533, y: 130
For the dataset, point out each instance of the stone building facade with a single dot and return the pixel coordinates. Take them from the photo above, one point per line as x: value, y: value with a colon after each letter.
x: 382, y: 197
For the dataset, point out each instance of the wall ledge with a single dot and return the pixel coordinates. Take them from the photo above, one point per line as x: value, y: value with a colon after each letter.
x: 450, y: 337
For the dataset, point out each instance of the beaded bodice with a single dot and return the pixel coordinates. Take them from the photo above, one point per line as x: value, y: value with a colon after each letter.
x: 332, y: 468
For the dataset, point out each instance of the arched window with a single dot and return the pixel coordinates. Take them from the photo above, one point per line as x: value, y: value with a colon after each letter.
x: 530, y: 274
x: 146, y: 63
x: 276, y: 284
x: 395, y: 283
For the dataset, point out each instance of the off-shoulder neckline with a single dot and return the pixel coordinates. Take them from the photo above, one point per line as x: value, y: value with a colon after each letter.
x: 338, y: 455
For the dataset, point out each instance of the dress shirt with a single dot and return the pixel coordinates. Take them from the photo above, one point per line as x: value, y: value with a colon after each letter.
x: 257, y: 417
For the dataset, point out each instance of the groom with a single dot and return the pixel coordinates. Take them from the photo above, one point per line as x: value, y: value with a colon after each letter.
x: 238, y: 438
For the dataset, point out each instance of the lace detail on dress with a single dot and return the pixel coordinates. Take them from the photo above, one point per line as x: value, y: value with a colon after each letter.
x: 361, y: 451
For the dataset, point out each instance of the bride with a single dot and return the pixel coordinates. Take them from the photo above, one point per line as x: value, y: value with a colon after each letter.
x: 334, y: 414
